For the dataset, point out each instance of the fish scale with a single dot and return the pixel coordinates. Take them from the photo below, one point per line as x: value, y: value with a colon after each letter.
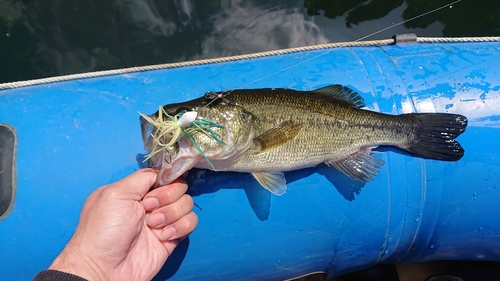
x: 268, y: 131
x: 322, y: 137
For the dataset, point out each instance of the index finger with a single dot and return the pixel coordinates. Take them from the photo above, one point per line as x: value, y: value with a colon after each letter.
x: 166, y: 194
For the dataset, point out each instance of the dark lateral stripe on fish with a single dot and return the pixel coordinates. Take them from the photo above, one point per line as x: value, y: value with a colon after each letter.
x: 435, y: 135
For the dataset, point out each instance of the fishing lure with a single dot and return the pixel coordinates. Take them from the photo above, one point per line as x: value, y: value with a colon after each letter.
x: 172, y: 128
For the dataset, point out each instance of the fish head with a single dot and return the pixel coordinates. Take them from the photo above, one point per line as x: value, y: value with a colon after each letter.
x: 151, y: 126
x: 222, y: 131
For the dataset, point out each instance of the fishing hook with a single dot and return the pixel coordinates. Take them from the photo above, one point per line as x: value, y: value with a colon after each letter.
x: 169, y: 161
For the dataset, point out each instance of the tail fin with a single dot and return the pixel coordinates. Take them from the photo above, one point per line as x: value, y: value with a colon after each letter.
x: 434, y: 135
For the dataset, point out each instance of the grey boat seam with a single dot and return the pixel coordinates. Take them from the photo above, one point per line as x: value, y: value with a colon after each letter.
x: 12, y: 85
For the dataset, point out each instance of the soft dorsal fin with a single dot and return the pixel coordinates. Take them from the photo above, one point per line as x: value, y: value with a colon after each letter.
x: 277, y: 136
x: 343, y: 93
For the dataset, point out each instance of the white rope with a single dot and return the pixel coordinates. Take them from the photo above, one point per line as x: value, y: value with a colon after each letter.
x: 26, y: 83
x: 456, y: 39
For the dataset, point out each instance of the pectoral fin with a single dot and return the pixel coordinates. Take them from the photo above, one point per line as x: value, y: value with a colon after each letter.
x: 275, y: 182
x: 277, y: 136
x: 360, y: 166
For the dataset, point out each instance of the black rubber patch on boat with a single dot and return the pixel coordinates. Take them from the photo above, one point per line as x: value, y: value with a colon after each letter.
x: 8, y: 143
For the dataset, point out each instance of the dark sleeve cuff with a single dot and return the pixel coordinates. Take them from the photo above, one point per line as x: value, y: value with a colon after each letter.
x: 54, y: 275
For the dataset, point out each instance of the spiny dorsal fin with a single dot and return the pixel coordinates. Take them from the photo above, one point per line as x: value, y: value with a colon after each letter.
x: 277, y: 136
x: 275, y: 182
x: 360, y: 166
x: 343, y: 93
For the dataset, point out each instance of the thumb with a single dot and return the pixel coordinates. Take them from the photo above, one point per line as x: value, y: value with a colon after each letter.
x: 137, y: 184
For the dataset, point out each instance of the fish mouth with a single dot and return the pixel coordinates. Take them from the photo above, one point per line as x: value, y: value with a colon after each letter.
x: 156, y: 161
x: 172, y: 167
x: 160, y: 157
x: 163, y: 175
x: 167, y: 161
x: 170, y: 163
x: 146, y: 131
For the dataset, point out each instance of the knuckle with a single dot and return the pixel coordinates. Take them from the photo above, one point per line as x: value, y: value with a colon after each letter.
x: 168, y: 197
x: 194, y: 219
x: 190, y: 222
x: 172, y: 214
x: 188, y: 200
x: 109, y: 191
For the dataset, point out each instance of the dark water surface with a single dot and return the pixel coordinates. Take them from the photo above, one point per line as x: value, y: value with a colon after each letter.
x: 41, y: 38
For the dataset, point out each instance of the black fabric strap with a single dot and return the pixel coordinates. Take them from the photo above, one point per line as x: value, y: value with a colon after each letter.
x: 54, y: 275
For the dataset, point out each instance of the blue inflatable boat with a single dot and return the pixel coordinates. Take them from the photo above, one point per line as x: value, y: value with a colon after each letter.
x: 63, y: 137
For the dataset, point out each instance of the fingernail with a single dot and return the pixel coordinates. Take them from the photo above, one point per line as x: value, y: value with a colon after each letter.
x: 168, y: 233
x: 155, y: 220
x: 150, y: 203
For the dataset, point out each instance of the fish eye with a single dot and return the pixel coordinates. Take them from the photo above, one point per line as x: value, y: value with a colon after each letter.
x: 182, y: 109
x: 210, y: 95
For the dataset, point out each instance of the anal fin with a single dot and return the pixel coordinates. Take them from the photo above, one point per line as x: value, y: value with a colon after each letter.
x: 361, y: 166
x: 275, y: 182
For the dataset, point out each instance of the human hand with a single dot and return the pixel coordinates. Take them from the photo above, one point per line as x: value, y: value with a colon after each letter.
x: 126, y: 232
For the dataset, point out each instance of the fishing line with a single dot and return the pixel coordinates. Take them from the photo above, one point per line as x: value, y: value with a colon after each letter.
x: 188, y: 122
x: 405, y: 21
x: 327, y: 52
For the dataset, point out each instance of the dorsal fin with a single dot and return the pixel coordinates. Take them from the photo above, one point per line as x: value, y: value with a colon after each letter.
x: 343, y: 93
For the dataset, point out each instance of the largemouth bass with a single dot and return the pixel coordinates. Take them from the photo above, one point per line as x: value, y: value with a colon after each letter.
x: 268, y: 131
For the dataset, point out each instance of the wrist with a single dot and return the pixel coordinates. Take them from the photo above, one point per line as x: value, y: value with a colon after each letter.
x: 78, y: 264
